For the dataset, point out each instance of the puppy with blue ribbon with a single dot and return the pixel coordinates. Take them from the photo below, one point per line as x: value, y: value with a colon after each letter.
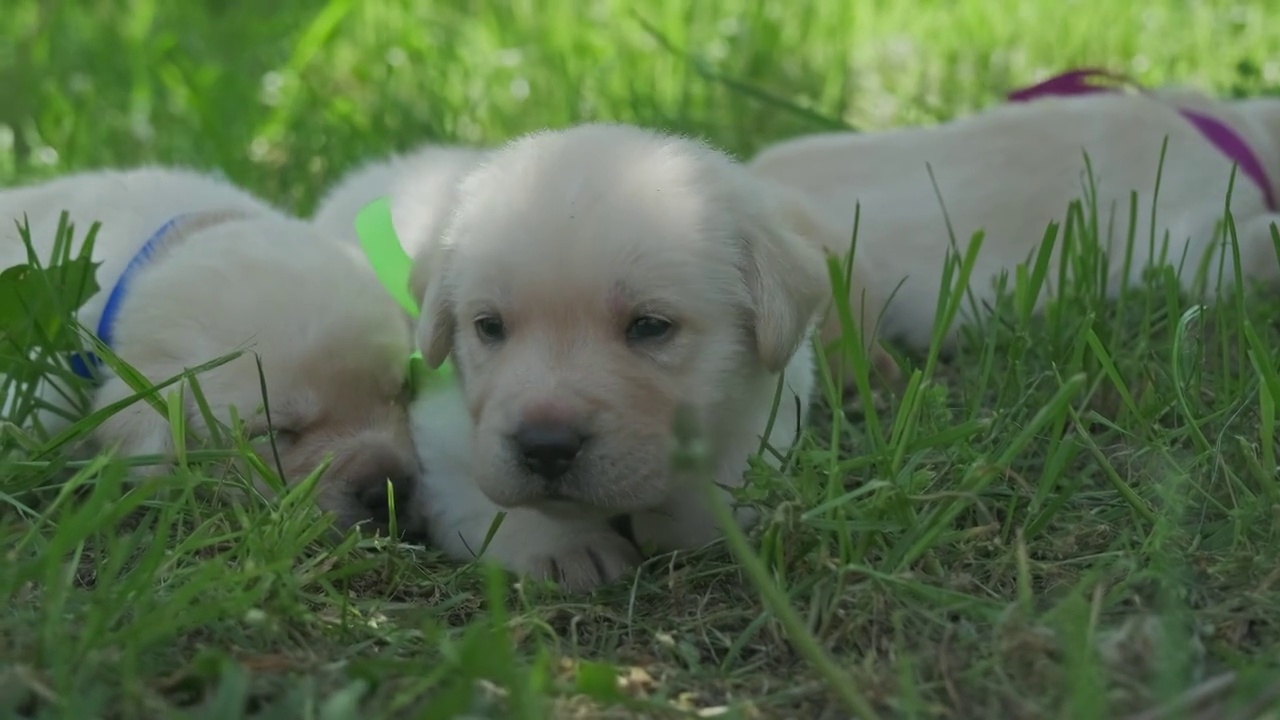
x: 194, y: 269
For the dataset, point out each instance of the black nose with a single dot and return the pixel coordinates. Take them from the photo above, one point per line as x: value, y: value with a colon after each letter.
x: 548, y: 449
x: 373, y: 495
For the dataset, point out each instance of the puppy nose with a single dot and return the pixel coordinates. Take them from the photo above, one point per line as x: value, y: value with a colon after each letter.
x: 373, y: 495
x: 548, y: 449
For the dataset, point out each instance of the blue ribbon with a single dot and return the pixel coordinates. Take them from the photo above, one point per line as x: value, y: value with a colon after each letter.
x: 82, y: 362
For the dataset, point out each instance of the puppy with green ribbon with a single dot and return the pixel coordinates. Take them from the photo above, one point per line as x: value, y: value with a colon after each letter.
x: 589, y: 285
x: 289, y: 337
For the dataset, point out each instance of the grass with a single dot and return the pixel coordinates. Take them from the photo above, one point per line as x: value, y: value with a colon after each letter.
x: 1072, y: 519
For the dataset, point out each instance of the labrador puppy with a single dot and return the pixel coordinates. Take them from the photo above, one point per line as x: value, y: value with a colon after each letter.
x: 588, y: 283
x: 211, y: 270
x: 422, y: 187
x: 1012, y: 170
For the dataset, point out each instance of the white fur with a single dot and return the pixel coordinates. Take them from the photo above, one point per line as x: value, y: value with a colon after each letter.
x: 333, y: 344
x: 546, y: 229
x: 1011, y: 170
x: 421, y: 186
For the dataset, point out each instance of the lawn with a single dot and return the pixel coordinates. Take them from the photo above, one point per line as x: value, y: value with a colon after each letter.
x: 1074, y: 518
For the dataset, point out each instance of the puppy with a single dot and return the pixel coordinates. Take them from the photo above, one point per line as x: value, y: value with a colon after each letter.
x: 1011, y: 171
x: 588, y: 283
x: 232, y: 273
x: 421, y: 186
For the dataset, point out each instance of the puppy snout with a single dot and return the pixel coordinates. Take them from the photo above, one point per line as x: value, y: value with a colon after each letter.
x: 373, y: 494
x: 548, y: 449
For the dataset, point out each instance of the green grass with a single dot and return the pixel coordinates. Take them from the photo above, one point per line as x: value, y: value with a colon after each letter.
x: 1075, y: 518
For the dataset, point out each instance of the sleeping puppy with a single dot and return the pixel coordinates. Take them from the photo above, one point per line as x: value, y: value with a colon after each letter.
x: 589, y: 282
x: 421, y: 186
x: 1012, y: 170
x: 232, y: 273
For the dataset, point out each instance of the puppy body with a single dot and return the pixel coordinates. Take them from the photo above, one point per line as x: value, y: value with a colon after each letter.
x: 236, y: 274
x: 421, y: 186
x: 1011, y: 171
x: 589, y: 283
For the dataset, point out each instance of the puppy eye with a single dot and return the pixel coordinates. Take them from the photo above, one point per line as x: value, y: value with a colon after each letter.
x: 283, y: 436
x: 648, y: 328
x: 490, y: 328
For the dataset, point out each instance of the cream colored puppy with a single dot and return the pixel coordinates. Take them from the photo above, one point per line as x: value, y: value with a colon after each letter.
x: 232, y: 273
x: 421, y: 185
x: 1012, y: 170
x: 589, y: 282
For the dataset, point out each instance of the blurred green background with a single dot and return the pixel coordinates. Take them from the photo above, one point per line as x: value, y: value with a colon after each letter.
x: 284, y: 96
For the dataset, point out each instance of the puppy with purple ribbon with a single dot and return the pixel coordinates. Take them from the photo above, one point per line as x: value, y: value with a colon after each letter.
x: 1013, y: 169
x: 192, y: 269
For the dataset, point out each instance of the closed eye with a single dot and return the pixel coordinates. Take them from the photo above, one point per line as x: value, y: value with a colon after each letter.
x: 282, y: 436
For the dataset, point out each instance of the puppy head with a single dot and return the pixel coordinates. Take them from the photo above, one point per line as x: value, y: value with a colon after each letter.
x: 333, y: 346
x: 589, y: 282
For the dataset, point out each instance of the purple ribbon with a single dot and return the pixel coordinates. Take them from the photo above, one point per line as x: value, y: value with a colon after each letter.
x: 1228, y: 141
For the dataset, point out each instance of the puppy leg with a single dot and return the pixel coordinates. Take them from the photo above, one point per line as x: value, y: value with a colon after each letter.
x: 580, y: 554
x: 686, y: 521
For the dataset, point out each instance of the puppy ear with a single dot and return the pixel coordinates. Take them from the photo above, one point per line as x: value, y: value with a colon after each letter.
x: 785, y: 269
x: 438, y: 320
x: 862, y: 300
x: 792, y: 249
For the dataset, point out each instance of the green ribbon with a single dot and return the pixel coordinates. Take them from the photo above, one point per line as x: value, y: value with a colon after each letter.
x: 392, y: 265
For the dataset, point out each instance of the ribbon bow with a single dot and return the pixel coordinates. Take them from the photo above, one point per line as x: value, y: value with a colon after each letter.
x: 391, y: 264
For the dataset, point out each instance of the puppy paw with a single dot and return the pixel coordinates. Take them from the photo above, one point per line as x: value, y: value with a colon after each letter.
x: 577, y: 553
x: 583, y: 564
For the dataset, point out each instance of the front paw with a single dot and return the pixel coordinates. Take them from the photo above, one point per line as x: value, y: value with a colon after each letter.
x: 582, y: 564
